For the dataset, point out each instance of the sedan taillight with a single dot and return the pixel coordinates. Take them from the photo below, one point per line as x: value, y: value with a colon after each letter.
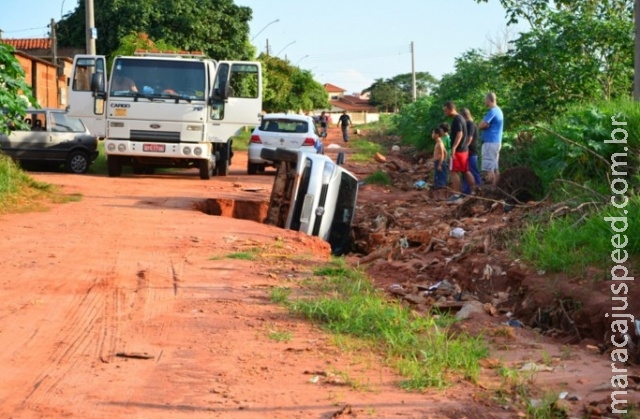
x: 256, y: 139
x: 309, y: 141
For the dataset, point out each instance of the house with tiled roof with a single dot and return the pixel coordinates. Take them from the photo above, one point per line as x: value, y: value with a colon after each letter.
x: 357, y: 106
x: 47, y: 69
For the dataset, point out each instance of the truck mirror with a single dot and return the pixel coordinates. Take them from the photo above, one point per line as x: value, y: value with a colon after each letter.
x: 97, y: 83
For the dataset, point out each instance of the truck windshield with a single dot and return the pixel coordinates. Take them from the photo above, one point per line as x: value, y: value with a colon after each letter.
x: 158, y: 78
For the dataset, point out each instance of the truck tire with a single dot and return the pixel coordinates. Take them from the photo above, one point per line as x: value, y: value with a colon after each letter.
x: 206, y: 169
x: 114, y: 166
x: 77, y: 162
x: 222, y: 165
x: 252, y: 168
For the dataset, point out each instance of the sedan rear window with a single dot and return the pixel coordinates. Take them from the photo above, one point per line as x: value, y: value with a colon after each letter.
x: 283, y: 125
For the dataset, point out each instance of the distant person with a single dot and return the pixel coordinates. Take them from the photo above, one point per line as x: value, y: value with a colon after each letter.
x: 344, y: 122
x: 492, y: 125
x: 323, y: 121
x: 472, y: 140
x: 123, y: 83
x: 459, y: 150
x: 440, y: 165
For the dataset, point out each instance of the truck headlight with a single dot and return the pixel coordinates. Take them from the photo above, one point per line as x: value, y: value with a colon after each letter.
x: 122, y: 148
x: 186, y: 151
x: 111, y: 147
x: 197, y: 151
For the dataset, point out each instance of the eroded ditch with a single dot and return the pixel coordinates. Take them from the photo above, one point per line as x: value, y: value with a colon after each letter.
x: 242, y: 209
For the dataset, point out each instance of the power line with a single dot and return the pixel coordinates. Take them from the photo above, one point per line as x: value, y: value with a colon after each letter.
x: 26, y: 30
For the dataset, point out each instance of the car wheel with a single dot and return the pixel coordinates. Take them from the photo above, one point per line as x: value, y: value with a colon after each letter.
x: 78, y: 162
x: 252, y: 168
x: 114, y: 166
x: 206, y: 169
x: 262, y: 168
x: 340, y: 158
x: 282, y: 154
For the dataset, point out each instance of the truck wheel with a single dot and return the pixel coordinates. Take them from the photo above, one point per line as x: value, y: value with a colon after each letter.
x: 252, y: 168
x: 114, y: 166
x: 222, y: 166
x: 77, y: 162
x: 206, y: 169
x: 138, y: 169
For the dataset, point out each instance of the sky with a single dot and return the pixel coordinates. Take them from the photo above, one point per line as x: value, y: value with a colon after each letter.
x: 348, y: 43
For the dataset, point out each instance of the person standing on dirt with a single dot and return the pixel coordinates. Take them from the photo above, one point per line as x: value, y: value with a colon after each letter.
x: 472, y: 140
x: 343, y: 123
x: 440, y: 165
x: 492, y: 125
x: 459, y: 150
x: 323, y: 121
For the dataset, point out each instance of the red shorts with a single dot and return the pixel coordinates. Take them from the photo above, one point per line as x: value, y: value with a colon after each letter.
x: 460, y: 161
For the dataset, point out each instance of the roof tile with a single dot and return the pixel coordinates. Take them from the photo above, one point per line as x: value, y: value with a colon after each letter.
x: 26, y: 44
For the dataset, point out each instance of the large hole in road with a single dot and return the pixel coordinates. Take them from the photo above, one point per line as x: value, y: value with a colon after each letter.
x: 235, y: 208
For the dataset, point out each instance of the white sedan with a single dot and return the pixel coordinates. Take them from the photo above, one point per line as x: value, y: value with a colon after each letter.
x: 289, y: 131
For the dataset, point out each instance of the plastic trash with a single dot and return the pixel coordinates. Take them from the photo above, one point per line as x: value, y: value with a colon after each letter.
x: 515, y: 323
x: 420, y: 184
x: 395, y: 148
x: 457, y: 233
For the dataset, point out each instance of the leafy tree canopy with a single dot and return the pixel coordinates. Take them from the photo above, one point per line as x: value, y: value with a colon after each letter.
x: 218, y: 28
x: 288, y: 88
x: 15, y: 94
x: 392, y: 94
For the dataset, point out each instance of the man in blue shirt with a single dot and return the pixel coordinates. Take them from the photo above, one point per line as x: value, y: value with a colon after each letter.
x: 492, y: 125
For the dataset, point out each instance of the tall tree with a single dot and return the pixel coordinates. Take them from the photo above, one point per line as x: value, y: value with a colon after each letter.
x: 219, y: 28
x: 15, y: 94
x: 394, y: 93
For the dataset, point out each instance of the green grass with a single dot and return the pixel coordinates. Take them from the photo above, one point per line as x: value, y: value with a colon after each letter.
x: 241, y: 139
x: 251, y: 254
x: 363, y: 150
x: 99, y: 166
x: 378, y: 178
x: 425, y: 350
x: 19, y: 192
x: 571, y: 245
x: 280, y: 335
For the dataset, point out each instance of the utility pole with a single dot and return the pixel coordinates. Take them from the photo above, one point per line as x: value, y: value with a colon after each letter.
x: 636, y: 55
x: 413, y: 72
x: 267, y: 47
x: 91, y: 32
x: 54, y: 46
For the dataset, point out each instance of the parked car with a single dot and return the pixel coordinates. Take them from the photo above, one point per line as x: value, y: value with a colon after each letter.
x: 314, y: 195
x: 52, y: 137
x: 287, y: 131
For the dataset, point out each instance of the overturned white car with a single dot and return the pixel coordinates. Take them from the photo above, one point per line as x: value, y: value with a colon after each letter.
x: 314, y: 195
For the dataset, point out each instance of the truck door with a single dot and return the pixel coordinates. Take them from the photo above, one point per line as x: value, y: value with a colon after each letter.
x: 238, y: 90
x: 82, y: 102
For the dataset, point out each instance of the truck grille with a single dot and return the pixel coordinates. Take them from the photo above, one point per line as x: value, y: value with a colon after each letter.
x: 156, y: 136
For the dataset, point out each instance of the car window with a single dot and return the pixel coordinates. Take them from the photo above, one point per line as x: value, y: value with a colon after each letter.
x: 284, y: 125
x: 61, y: 122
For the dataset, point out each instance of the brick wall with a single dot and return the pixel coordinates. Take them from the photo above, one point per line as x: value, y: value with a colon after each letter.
x: 43, y: 78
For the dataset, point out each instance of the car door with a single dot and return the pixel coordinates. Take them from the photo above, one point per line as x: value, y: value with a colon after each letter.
x: 62, y: 131
x: 28, y: 145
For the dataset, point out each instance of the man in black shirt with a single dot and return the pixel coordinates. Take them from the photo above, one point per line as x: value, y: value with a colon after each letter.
x: 472, y: 140
x: 344, y: 123
x: 459, y: 150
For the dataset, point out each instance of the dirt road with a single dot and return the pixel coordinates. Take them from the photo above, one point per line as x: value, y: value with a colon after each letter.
x: 123, y: 305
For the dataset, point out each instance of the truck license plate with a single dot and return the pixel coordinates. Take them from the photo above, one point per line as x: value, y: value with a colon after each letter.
x: 158, y: 148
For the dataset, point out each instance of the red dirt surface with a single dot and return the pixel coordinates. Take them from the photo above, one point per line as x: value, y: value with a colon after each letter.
x: 124, y: 304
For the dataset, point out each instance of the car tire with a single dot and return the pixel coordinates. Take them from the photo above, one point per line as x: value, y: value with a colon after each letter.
x: 77, y: 162
x: 114, y: 166
x: 222, y: 165
x: 340, y: 158
x: 206, y: 169
x: 282, y: 154
x: 252, y: 168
